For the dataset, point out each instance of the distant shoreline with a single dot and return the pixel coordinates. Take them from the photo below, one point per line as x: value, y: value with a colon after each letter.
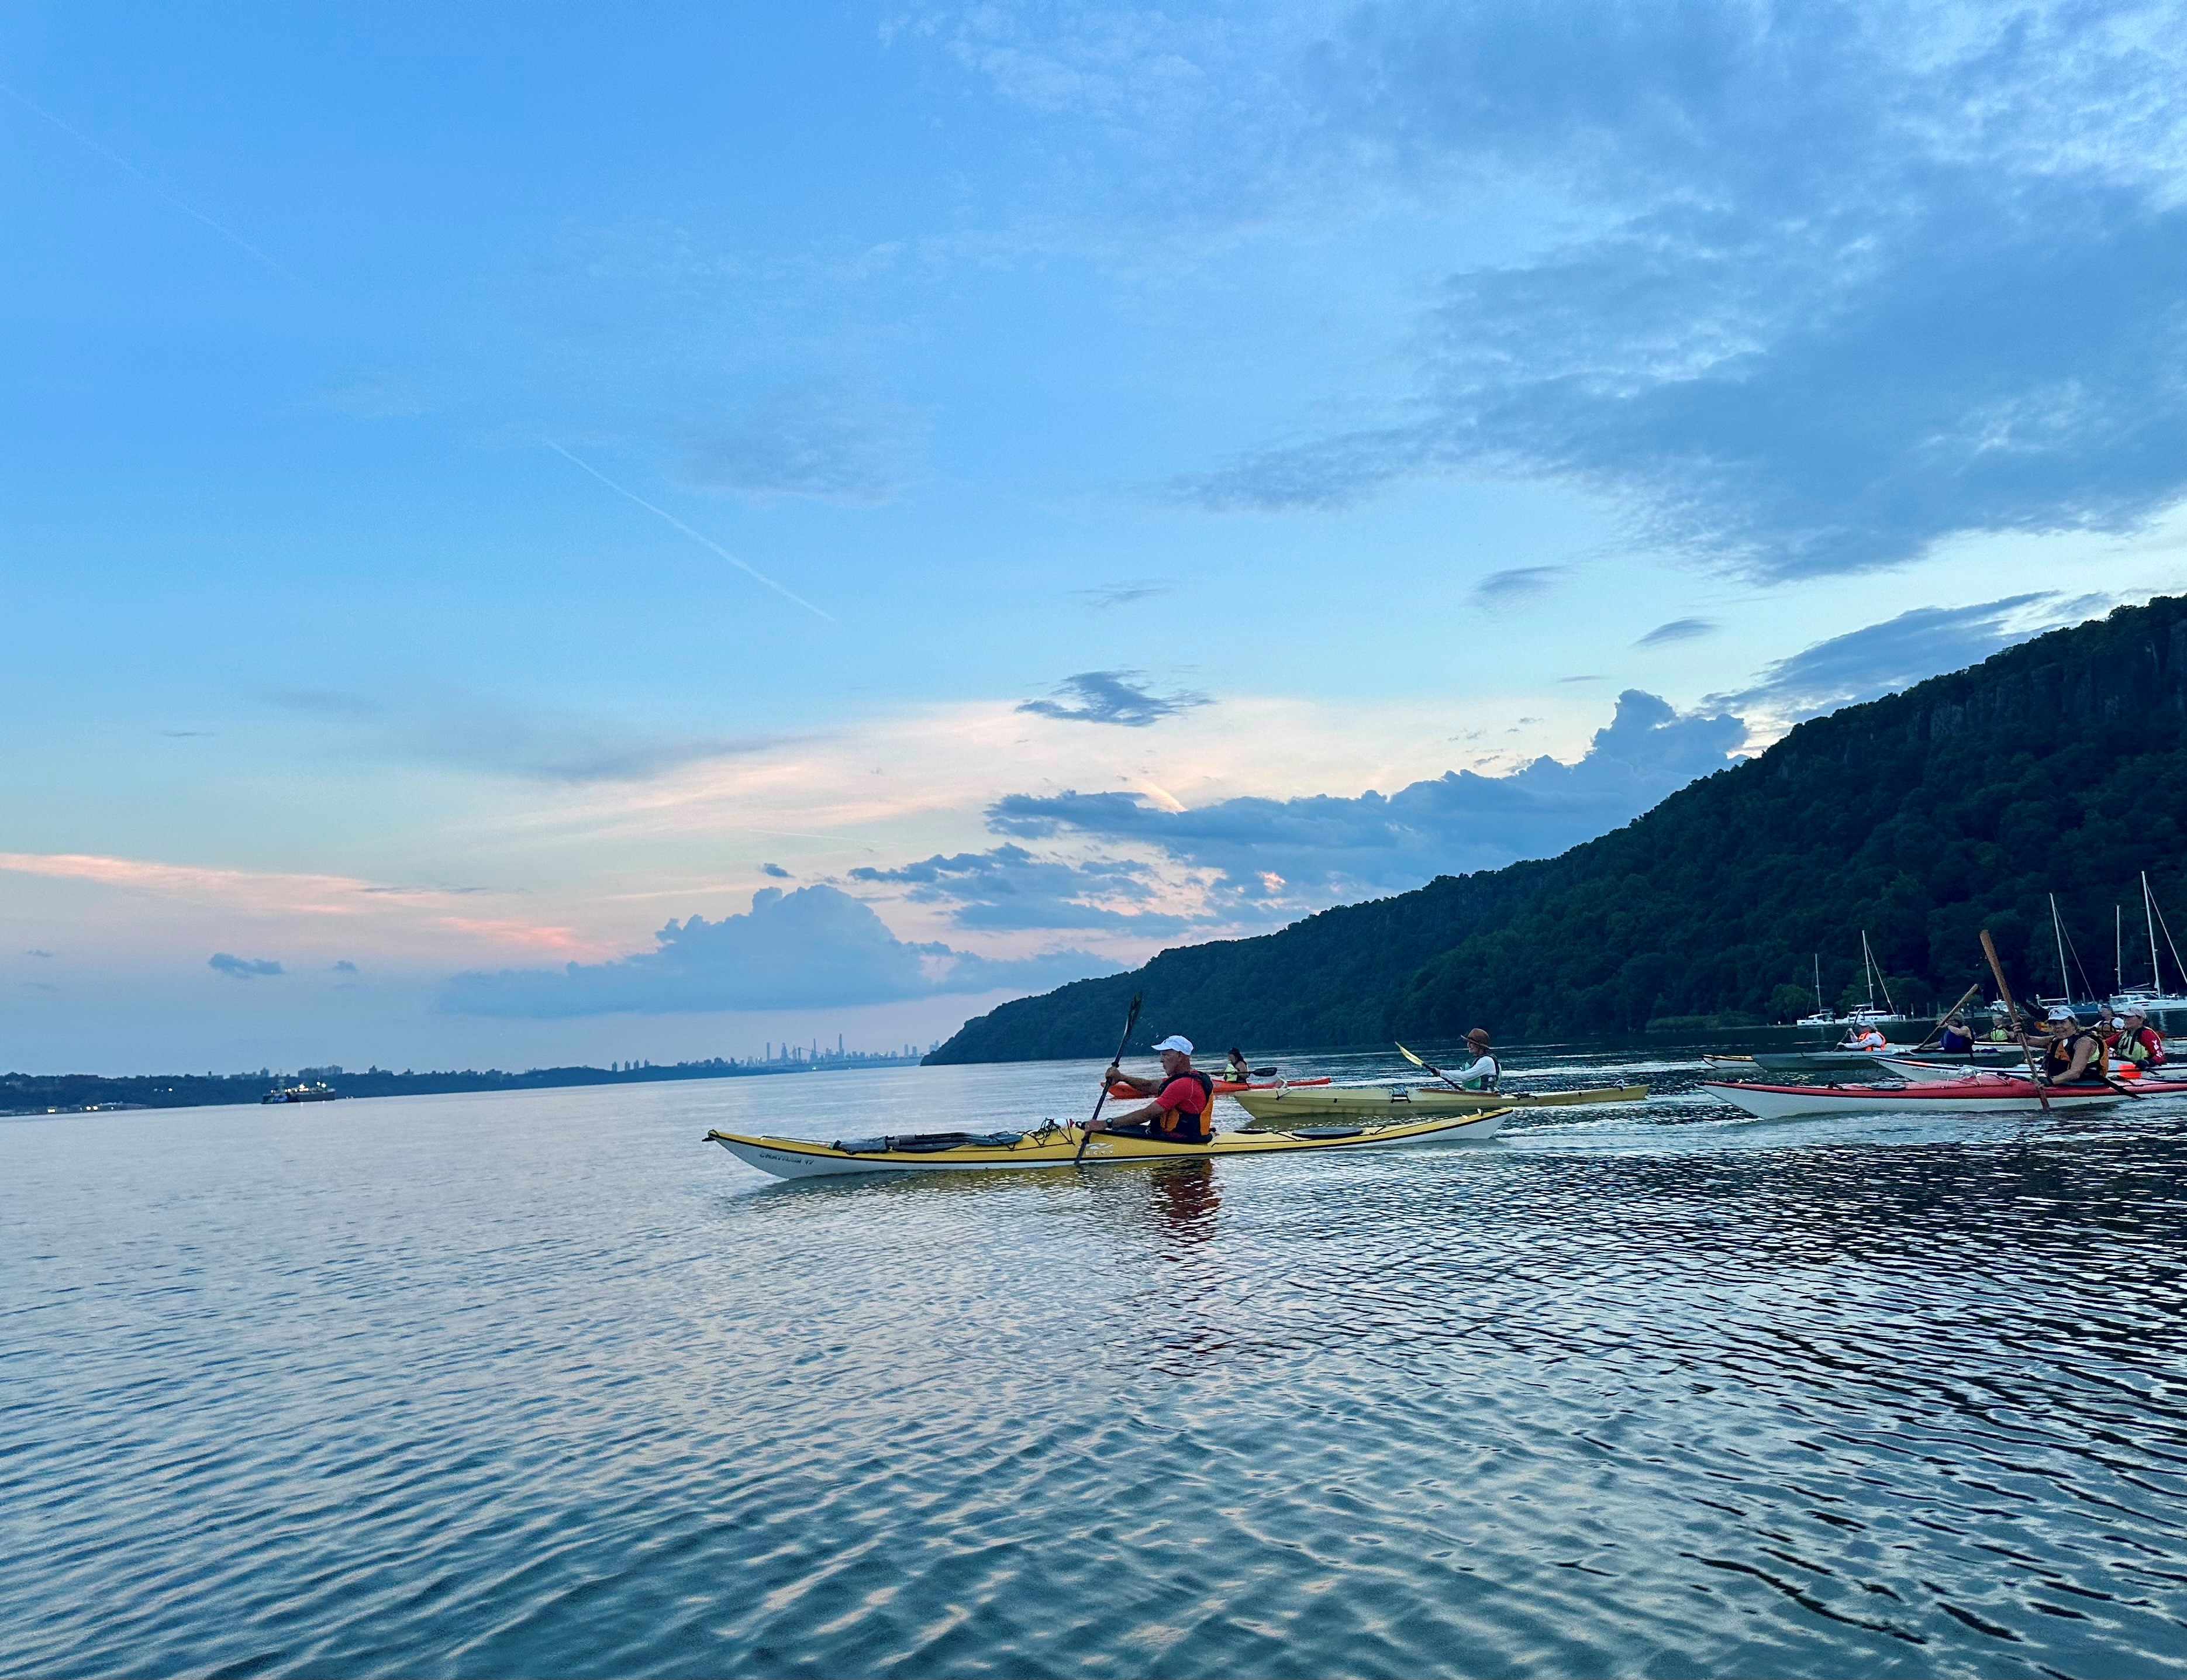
x: 25, y: 1093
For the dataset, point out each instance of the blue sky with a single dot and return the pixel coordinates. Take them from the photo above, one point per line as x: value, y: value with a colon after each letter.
x: 490, y: 490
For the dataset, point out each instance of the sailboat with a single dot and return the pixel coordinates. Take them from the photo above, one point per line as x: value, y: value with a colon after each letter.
x: 2065, y: 972
x: 2153, y: 997
x: 1868, y: 1014
x: 1824, y: 1016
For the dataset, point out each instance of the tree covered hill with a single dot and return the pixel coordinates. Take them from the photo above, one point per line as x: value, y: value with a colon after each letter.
x: 2058, y: 766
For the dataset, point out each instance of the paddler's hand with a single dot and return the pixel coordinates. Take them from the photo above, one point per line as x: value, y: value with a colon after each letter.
x: 1114, y: 1074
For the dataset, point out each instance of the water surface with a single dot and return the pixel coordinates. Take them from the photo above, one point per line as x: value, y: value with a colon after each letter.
x: 536, y: 1382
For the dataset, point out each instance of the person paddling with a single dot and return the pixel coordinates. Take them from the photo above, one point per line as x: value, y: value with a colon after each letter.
x: 2075, y: 1053
x: 1237, y: 1073
x: 1869, y: 1039
x: 1182, y: 1111
x: 1954, y: 1038
x: 2140, y: 1046
x: 1485, y: 1070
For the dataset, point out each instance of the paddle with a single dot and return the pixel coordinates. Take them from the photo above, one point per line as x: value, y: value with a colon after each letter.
x: 2012, y: 1015
x: 1417, y: 1062
x: 1131, y: 1021
x: 1936, y: 1030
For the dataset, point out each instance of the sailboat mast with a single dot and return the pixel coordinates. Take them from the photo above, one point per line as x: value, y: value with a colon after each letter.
x: 1819, y: 982
x: 2065, y: 974
x: 2118, y: 949
x: 1876, y: 976
x: 2157, y: 974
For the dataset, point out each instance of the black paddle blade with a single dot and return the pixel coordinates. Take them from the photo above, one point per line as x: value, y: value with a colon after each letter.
x: 1261, y: 1072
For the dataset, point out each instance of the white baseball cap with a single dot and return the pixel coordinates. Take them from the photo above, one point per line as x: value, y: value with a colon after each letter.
x: 1181, y: 1046
x: 2059, y: 1012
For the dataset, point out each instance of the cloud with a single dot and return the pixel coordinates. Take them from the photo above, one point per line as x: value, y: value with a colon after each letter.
x: 775, y: 870
x: 545, y: 745
x: 1520, y: 583
x: 1678, y: 630
x: 345, y: 967
x: 1009, y: 888
x: 188, y: 734
x: 1848, y: 281
x: 819, y: 442
x: 1900, y: 652
x: 241, y: 967
x: 1123, y: 594
x: 1318, y: 851
x: 813, y: 948
x: 1112, y: 697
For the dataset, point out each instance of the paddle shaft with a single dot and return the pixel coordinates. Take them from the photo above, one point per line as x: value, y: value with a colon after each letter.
x: 1949, y: 1014
x: 2012, y: 1014
x: 1421, y: 1061
x: 1131, y: 1021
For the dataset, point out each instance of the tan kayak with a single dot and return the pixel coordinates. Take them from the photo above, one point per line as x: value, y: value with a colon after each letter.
x: 1384, y: 1106
x: 1058, y: 1146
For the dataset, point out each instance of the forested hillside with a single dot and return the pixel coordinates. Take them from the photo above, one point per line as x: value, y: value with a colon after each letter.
x: 2058, y: 766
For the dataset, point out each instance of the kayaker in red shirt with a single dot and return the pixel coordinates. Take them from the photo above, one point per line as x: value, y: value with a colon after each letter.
x: 1184, y: 1099
x: 2139, y: 1043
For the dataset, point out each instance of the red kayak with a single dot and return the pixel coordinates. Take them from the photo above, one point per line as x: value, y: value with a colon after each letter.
x: 1228, y: 1088
x: 1977, y: 1093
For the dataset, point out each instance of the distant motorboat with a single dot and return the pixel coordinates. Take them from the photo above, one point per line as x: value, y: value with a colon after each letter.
x: 319, y: 1092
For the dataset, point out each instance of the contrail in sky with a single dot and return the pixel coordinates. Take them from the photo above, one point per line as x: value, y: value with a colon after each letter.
x: 696, y: 536
x: 150, y: 185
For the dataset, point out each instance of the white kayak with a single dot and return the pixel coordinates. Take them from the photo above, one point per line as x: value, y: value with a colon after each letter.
x: 1384, y: 1105
x: 1058, y: 1146
x: 1973, y: 1094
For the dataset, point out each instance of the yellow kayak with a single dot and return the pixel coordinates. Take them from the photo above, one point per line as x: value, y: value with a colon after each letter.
x: 1058, y: 1146
x: 1382, y: 1105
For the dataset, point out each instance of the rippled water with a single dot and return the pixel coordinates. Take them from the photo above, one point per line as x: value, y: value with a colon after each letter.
x: 537, y: 1382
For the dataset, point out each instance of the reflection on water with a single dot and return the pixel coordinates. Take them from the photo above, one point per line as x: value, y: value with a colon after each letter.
x: 536, y: 1383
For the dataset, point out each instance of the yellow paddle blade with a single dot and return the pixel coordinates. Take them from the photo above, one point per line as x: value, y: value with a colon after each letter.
x: 1408, y: 1055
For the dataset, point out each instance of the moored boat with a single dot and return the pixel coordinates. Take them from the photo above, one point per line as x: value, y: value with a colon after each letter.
x: 1059, y: 1146
x: 1383, y: 1103
x: 319, y: 1092
x: 1983, y: 1093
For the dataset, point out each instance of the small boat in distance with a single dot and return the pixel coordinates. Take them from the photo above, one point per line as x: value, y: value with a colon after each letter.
x: 319, y: 1092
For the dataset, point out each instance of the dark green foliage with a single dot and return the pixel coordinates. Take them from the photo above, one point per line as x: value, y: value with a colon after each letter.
x: 2058, y: 766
